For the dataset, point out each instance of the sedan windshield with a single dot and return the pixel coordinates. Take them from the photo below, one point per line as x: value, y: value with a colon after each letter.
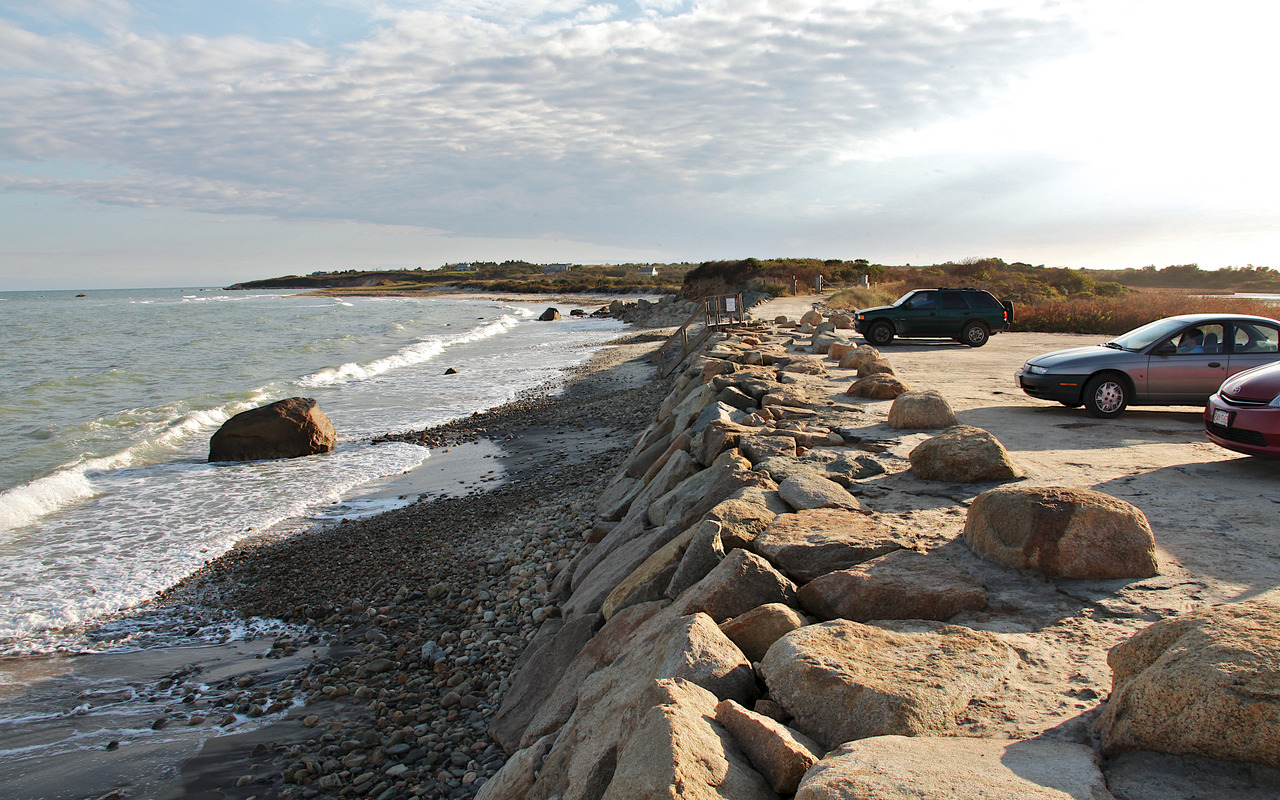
x: 1148, y: 334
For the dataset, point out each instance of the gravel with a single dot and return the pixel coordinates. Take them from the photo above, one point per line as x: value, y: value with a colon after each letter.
x: 421, y: 613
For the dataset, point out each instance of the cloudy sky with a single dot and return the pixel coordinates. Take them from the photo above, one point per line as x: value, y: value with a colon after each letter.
x: 185, y: 143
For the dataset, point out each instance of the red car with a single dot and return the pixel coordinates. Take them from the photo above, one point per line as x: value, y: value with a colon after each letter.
x: 1244, y: 414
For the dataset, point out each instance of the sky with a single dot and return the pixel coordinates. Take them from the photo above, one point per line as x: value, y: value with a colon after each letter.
x: 188, y: 143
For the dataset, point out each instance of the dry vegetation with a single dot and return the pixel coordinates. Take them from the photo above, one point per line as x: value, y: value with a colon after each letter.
x: 1072, y: 301
x: 1115, y: 315
x: 1046, y: 299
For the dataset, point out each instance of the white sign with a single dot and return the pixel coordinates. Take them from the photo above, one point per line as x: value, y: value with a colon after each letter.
x: 730, y: 304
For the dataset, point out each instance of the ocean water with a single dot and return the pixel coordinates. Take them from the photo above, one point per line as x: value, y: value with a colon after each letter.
x: 108, y: 401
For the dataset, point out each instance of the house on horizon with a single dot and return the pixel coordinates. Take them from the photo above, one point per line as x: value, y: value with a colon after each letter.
x: 648, y: 272
x: 556, y: 268
x: 462, y: 267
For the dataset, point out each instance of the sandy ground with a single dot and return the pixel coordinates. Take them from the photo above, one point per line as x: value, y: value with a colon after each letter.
x: 1213, y: 513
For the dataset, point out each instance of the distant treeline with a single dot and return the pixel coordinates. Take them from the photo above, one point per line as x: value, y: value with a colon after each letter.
x: 1018, y: 281
x: 1190, y: 276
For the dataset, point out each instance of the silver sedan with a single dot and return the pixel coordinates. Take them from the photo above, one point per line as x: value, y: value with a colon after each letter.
x: 1173, y: 361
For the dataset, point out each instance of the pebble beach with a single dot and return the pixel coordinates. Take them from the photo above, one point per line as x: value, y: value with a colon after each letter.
x: 414, y: 619
x: 411, y: 642
x: 360, y: 656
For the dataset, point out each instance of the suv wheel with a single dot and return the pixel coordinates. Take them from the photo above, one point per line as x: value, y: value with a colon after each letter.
x: 1106, y: 396
x: 880, y: 334
x: 975, y: 334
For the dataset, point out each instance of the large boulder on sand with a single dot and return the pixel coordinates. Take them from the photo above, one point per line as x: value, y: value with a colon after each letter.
x: 843, y: 680
x: 812, y: 317
x: 962, y: 454
x: 1207, y: 683
x: 858, y: 356
x: 805, y: 365
x: 921, y: 410
x: 822, y: 342
x: 878, y: 386
x: 837, y: 350
x: 286, y: 428
x: 1068, y: 533
x: 873, y: 366
x: 956, y: 768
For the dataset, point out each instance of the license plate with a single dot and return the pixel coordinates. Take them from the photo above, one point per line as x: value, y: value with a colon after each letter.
x: 1222, y: 417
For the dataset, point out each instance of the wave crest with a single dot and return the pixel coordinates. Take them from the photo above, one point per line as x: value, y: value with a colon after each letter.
x: 416, y: 353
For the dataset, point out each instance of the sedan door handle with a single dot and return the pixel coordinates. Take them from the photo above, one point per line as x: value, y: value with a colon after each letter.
x: 1215, y: 364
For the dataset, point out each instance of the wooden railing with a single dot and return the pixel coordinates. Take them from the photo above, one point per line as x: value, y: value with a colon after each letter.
x: 716, y: 312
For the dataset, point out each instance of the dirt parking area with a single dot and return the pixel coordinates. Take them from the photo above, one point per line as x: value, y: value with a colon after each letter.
x: 1213, y: 512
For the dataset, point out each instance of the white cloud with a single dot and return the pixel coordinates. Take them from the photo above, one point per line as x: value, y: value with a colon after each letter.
x: 760, y: 124
x: 442, y: 114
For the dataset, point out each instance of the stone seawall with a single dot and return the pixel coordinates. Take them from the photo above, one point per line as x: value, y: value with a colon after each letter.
x: 748, y: 619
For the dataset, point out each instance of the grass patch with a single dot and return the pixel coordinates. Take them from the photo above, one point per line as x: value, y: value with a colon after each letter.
x: 1115, y: 315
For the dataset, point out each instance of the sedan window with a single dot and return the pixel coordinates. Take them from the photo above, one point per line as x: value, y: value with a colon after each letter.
x: 1197, y: 340
x: 1252, y: 337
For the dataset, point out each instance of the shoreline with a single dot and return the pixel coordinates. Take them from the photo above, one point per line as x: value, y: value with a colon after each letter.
x: 419, y: 620
x: 548, y: 449
x: 581, y: 299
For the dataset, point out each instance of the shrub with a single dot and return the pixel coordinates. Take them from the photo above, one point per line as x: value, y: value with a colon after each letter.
x: 772, y: 288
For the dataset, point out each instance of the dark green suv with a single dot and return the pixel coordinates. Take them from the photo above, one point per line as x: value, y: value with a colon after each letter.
x: 970, y: 316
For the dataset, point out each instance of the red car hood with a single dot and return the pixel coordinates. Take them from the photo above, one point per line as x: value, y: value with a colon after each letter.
x: 1261, y: 385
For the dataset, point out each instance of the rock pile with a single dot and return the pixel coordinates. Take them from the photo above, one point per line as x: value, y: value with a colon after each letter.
x: 729, y: 613
x: 668, y: 312
x: 728, y: 627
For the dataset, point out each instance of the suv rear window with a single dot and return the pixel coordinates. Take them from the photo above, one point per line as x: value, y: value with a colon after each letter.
x: 984, y: 300
x: 954, y: 301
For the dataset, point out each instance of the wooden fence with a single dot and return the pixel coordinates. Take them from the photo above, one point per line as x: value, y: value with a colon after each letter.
x: 716, y: 312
